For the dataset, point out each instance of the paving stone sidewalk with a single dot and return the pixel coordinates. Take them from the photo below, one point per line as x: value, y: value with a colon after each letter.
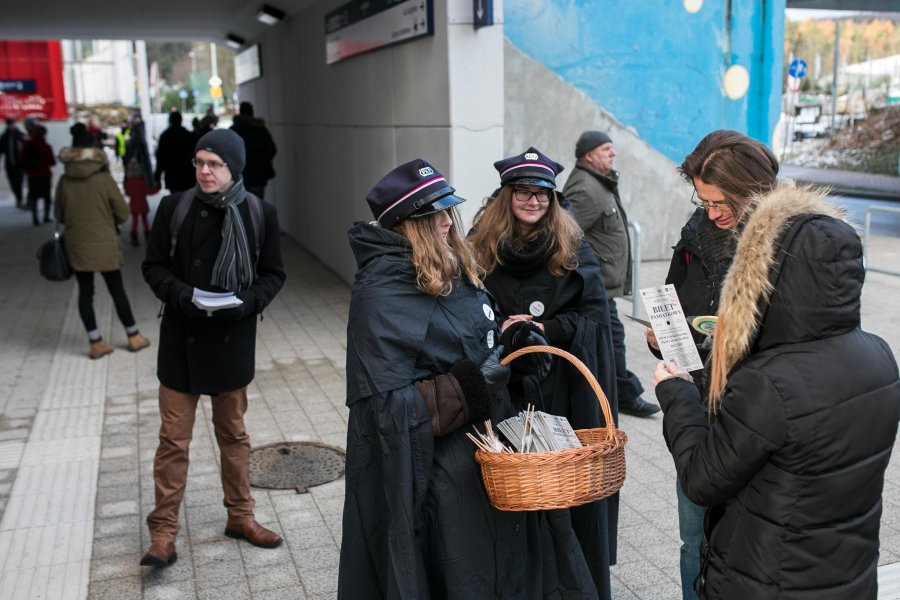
x: 77, y: 439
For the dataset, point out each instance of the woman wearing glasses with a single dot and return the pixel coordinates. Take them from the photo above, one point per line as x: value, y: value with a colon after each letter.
x: 549, y: 289
x: 727, y: 169
x: 805, y: 403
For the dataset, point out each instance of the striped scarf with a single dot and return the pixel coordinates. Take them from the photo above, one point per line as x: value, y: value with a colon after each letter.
x: 233, y: 270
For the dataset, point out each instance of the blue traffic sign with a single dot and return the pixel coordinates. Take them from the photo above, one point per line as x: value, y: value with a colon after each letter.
x: 182, y: 94
x: 797, y: 68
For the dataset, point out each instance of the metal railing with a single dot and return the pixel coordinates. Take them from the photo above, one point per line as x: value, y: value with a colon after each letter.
x: 866, y: 227
x: 635, y: 267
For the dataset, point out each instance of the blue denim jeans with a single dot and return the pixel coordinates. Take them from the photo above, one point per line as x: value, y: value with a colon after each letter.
x: 690, y: 528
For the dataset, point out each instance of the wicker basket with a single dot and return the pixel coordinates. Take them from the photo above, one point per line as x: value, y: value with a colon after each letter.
x: 561, y: 479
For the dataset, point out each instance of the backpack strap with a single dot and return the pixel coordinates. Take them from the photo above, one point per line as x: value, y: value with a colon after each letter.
x: 181, y: 211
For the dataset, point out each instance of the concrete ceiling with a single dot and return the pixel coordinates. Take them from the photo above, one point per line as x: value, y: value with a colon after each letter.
x: 173, y: 20
x: 205, y: 19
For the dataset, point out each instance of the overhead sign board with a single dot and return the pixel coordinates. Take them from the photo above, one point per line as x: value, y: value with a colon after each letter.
x: 247, y: 64
x: 363, y: 25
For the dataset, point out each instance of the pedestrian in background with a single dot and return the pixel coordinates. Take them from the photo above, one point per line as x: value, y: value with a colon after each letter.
x: 11, y: 143
x: 422, y: 364
x: 121, y: 138
x: 90, y: 206
x: 38, y: 161
x: 173, y: 157
x: 593, y: 193
x: 261, y: 149
x: 549, y: 289
x: 139, y: 182
x: 804, y: 408
x: 210, y: 354
x: 727, y: 170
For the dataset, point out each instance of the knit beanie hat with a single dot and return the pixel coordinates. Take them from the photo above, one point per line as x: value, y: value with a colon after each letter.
x: 589, y: 140
x: 228, y: 145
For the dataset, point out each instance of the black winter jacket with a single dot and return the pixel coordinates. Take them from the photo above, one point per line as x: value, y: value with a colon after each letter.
x: 200, y: 354
x: 173, y: 157
x: 799, y: 446
x: 260, y: 146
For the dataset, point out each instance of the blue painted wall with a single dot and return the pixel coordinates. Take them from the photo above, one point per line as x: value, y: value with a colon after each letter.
x: 656, y: 67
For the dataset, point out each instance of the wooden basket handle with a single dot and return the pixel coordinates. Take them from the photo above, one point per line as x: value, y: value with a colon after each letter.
x: 601, y: 397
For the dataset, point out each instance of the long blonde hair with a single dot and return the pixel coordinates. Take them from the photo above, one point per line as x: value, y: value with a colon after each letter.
x: 438, y: 264
x: 496, y: 223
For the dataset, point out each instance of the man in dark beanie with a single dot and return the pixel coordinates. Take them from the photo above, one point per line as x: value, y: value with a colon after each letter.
x: 214, y: 237
x: 260, y: 146
x: 593, y: 192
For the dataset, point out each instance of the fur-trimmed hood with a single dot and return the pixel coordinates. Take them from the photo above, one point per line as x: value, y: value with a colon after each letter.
x: 797, y: 276
x: 81, y: 163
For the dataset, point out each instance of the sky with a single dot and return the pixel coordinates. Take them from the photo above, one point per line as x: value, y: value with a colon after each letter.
x: 800, y: 14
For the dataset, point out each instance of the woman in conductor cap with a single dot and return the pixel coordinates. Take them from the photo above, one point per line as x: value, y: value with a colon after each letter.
x: 422, y: 364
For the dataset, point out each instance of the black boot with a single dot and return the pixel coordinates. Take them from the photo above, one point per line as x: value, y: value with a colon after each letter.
x: 134, y: 239
x: 638, y: 407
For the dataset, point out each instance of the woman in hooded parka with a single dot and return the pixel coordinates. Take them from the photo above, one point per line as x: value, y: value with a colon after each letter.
x: 797, y: 430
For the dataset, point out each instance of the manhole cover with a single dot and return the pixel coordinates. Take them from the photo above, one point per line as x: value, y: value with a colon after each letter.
x: 295, y: 465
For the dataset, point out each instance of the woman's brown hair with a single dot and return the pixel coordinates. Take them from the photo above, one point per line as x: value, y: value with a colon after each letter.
x: 743, y: 168
x: 437, y: 264
x: 495, y: 223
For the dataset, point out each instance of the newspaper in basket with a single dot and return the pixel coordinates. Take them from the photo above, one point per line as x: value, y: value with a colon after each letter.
x: 561, y: 479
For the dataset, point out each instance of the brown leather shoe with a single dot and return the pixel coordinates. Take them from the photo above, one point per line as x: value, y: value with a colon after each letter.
x: 253, y: 532
x: 160, y: 554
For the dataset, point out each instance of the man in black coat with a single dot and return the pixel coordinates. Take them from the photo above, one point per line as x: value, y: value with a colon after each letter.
x: 173, y: 156
x: 260, y: 146
x: 11, y: 145
x: 209, y: 351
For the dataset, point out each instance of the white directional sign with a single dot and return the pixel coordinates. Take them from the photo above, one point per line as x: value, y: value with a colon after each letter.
x: 364, y: 25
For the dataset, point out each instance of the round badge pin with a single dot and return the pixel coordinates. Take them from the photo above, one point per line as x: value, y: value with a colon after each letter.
x: 490, y: 338
x: 488, y: 311
x: 536, y: 308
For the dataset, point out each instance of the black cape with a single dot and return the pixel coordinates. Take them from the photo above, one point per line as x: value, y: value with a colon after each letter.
x: 575, y: 314
x: 417, y: 522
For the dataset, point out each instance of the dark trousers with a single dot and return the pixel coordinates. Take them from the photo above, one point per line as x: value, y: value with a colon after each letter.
x: 14, y: 176
x: 627, y: 384
x: 116, y: 289
x: 39, y: 187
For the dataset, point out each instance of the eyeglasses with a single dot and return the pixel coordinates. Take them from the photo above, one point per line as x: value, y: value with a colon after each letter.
x: 212, y: 164
x: 524, y: 196
x: 721, y: 206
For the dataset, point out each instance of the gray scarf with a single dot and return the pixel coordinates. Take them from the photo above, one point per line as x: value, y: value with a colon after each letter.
x: 233, y: 270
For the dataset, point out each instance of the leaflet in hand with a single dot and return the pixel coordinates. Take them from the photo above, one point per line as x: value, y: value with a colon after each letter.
x: 670, y: 327
x: 211, y: 301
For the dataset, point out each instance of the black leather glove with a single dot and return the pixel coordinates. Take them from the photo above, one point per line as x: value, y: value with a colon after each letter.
x: 519, y: 335
x: 186, y: 305
x: 496, y: 376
